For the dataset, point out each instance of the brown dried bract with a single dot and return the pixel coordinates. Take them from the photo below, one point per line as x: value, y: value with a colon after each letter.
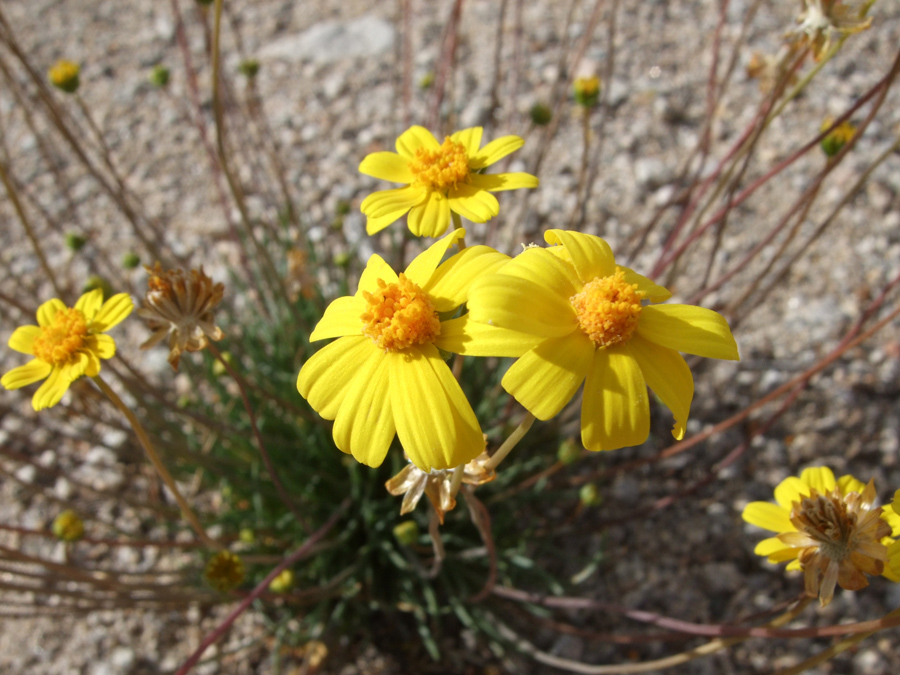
x: 180, y: 305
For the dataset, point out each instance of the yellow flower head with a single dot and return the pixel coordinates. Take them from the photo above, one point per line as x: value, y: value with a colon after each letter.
x: 440, y: 178
x: 224, y: 571
x: 829, y: 529
x: 838, y: 137
x: 64, y: 75
x: 587, y: 90
x: 180, y: 305
x: 821, y: 21
x: 67, y: 343
x: 385, y: 374
x: 283, y: 582
x: 573, y: 316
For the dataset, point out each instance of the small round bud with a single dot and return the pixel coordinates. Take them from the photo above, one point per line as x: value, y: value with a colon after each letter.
x: 587, y: 91
x: 342, y: 208
x: 224, y: 571
x: 246, y: 535
x: 75, y: 242
x: 64, y: 75
x: 407, y: 533
x: 838, y: 137
x: 589, y: 495
x: 94, y: 282
x: 68, y: 526
x: 541, y: 114
x: 568, y: 451
x: 426, y: 81
x: 159, y: 76
x: 249, y: 68
x: 283, y: 582
x: 131, y: 260
x: 342, y: 259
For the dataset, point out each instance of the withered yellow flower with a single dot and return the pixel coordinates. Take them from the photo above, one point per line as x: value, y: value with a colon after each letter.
x: 224, y: 571
x: 829, y: 529
x: 180, y: 305
x: 821, y: 21
x: 64, y: 75
x: 67, y: 343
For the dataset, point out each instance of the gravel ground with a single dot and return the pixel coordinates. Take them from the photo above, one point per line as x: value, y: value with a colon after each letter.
x: 332, y: 89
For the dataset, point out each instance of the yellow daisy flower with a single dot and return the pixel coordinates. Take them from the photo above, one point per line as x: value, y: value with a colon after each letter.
x: 440, y: 178
x: 829, y: 529
x: 385, y: 374
x: 574, y: 316
x: 67, y: 343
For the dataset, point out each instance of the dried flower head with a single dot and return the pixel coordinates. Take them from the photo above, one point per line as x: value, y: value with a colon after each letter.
x: 829, y: 529
x: 64, y: 75
x: 437, y: 484
x: 224, y: 571
x: 821, y: 21
x: 770, y: 69
x: 68, y: 526
x: 181, y: 305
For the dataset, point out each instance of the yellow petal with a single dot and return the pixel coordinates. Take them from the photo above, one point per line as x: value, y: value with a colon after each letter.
x: 92, y: 367
x: 821, y: 478
x: 521, y: 305
x: 448, y: 287
x: 473, y: 203
x: 689, y: 329
x: 543, y: 267
x: 386, y: 166
x: 773, y: 546
x: 414, y: 138
x: 364, y: 426
x: 342, y: 317
x: 53, y: 389
x: 768, y: 516
x: 591, y: 255
x: 48, y: 310
x: 651, y: 290
x: 431, y: 218
x: 22, y: 376
x: 892, y: 518
x: 435, y: 422
x: 497, y: 182
x: 89, y: 303
x: 470, y: 139
x: 420, y: 270
x: 893, y: 562
x: 495, y: 150
x: 325, y: 377
x: 790, y: 490
x: 848, y: 484
x: 615, y: 412
x: 546, y: 378
x: 386, y: 206
x: 896, y: 503
x: 462, y: 336
x: 668, y: 376
x: 113, y: 311
x: 376, y: 268
x: 101, y: 345
x: 22, y: 339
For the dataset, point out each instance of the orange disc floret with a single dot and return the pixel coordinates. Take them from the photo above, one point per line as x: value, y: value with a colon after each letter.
x: 399, y: 315
x: 58, y: 342
x: 442, y: 168
x: 608, y: 309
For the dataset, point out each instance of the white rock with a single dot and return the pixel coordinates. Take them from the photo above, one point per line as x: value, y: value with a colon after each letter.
x: 333, y: 41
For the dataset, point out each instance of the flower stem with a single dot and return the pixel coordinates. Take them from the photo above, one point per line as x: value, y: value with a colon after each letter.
x: 155, y: 459
x: 510, y: 442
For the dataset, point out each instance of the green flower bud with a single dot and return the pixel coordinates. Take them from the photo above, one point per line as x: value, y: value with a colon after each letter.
x: 75, y: 242
x: 541, y: 115
x: 94, y: 282
x: 587, y: 91
x: 249, y: 68
x: 283, y: 582
x: 131, y: 260
x: 342, y: 259
x: 159, y: 76
x: 426, y: 81
x: 589, y: 495
x: 838, y: 137
x: 218, y: 368
x: 568, y: 452
x: 246, y: 535
x: 68, y: 526
x: 407, y: 533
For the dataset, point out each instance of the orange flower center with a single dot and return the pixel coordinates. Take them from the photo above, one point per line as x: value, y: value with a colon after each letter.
x: 64, y: 336
x: 608, y: 309
x: 399, y: 316
x: 441, y: 168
